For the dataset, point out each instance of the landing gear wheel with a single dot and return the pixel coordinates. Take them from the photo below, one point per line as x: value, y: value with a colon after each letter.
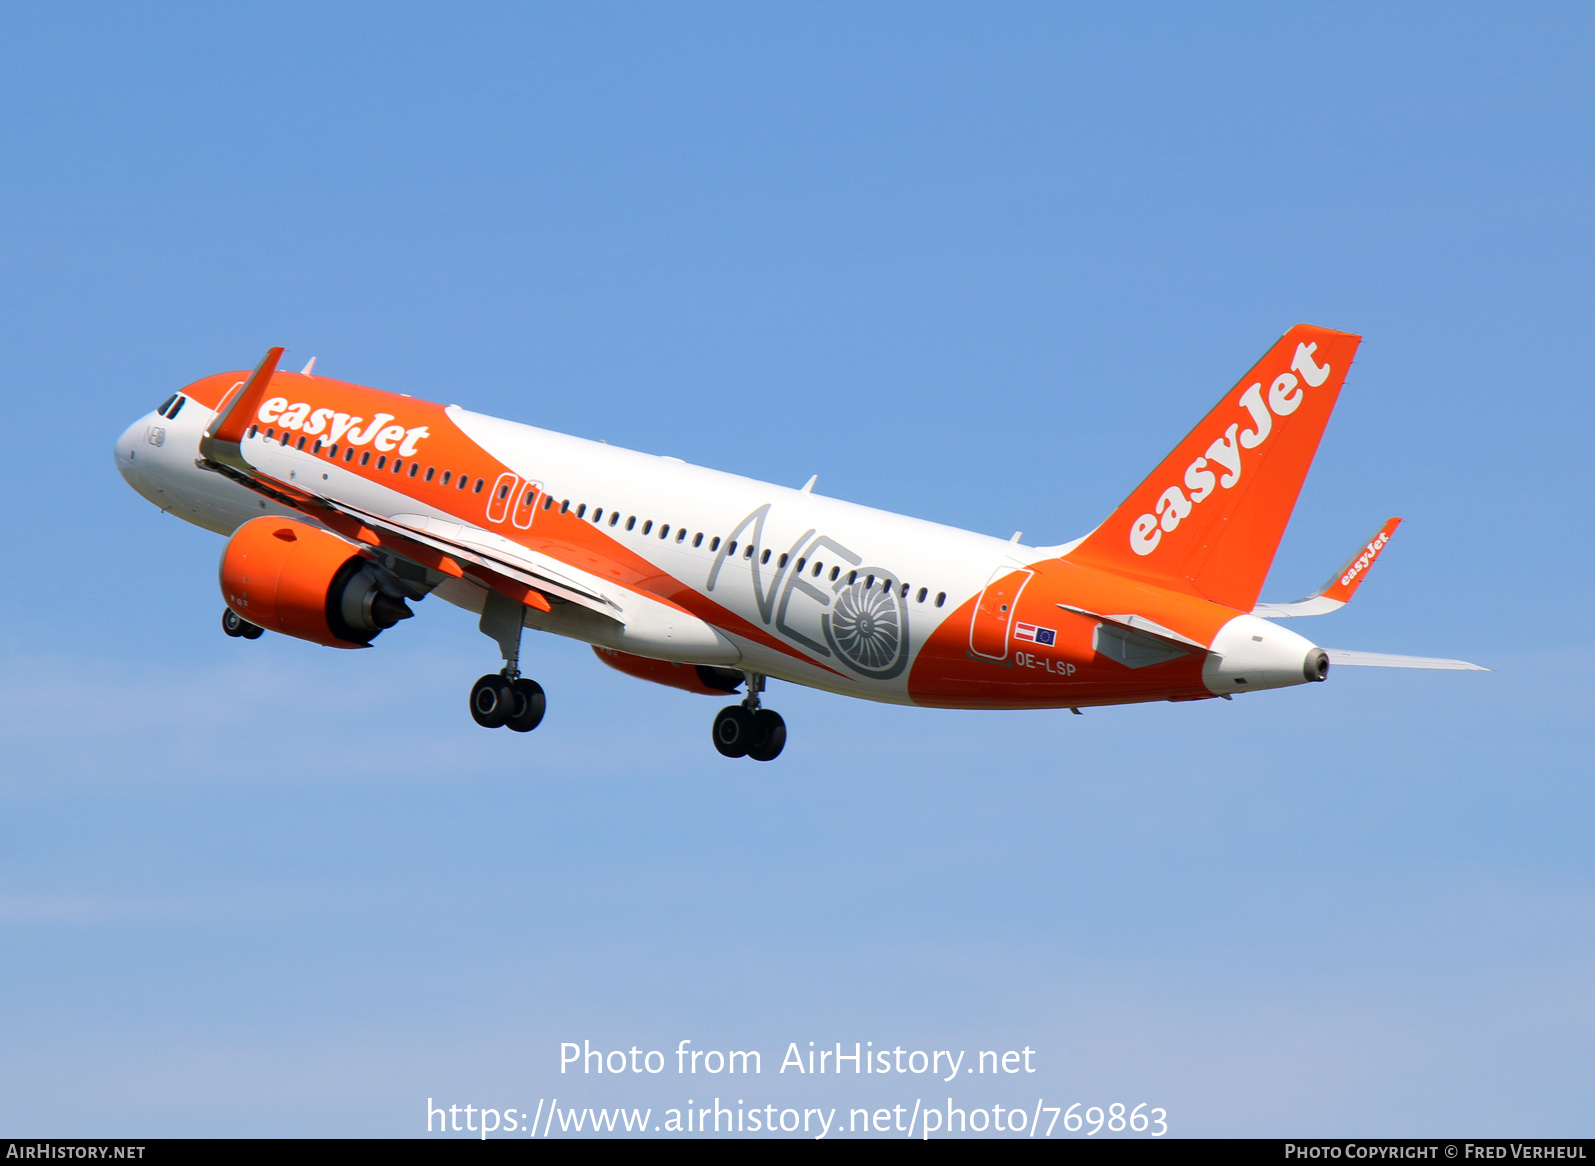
x: 769, y: 735
x: 492, y: 700
x: 733, y: 731
x: 237, y: 626
x: 527, y: 704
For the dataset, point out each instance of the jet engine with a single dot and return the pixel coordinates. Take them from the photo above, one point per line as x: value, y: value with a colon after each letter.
x: 297, y: 579
x: 700, y: 678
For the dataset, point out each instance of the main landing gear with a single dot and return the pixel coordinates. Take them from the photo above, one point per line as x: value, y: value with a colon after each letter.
x: 238, y: 627
x: 506, y: 699
x: 746, y: 730
x: 513, y: 702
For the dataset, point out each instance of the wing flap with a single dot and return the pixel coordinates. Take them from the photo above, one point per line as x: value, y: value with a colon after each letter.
x: 524, y: 570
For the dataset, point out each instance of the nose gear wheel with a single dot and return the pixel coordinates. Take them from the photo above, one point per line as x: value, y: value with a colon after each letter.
x: 238, y: 627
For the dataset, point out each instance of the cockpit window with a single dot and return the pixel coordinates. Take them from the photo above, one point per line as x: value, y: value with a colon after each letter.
x: 172, y: 413
x: 166, y: 404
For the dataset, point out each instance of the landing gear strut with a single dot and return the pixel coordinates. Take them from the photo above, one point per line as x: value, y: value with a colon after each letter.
x: 506, y: 699
x: 238, y: 627
x: 746, y: 730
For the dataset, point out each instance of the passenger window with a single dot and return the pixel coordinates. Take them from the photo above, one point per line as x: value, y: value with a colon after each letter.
x: 664, y: 531
x: 941, y: 598
x: 300, y: 444
x: 714, y: 543
x: 781, y: 562
x: 530, y: 494
x: 429, y: 472
x: 614, y: 517
x: 631, y: 522
x: 905, y: 591
x: 835, y: 571
x: 765, y: 557
x: 920, y: 598
x: 382, y: 461
x: 415, y: 468
x: 285, y: 436
x: 818, y: 567
x: 697, y: 540
x: 447, y: 474
x: 852, y: 577
x: 748, y: 552
x: 869, y: 581
x: 564, y: 507
x: 731, y: 548
x: 681, y: 536
x: 480, y: 482
x: 253, y: 430
x: 365, y: 457
x: 581, y: 510
x: 348, y: 453
x: 460, y: 482
x: 503, y: 491
x: 801, y: 563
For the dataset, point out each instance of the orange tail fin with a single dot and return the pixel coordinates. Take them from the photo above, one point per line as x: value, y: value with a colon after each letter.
x: 1208, y: 520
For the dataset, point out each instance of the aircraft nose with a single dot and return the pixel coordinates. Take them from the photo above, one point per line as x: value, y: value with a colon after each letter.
x: 127, y: 446
x: 137, y: 456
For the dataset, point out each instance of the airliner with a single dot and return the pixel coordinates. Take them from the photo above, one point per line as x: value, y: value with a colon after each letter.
x: 343, y: 505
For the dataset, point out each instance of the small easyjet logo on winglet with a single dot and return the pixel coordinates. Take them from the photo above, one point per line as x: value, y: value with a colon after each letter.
x: 1365, y: 560
x: 341, y: 426
x: 1221, y: 468
x: 1351, y: 574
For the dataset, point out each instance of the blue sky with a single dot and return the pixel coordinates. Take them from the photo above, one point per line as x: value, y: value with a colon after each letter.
x: 982, y: 265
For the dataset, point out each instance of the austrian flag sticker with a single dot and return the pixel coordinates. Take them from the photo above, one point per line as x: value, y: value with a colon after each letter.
x: 1031, y: 634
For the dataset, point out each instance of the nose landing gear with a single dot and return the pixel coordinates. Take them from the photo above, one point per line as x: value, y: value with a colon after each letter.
x: 746, y: 730
x: 238, y: 627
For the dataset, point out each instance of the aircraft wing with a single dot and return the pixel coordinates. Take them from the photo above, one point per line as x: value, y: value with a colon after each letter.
x: 486, y: 550
x: 443, y: 545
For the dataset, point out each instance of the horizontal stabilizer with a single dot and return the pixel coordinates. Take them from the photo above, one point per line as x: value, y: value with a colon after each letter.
x: 1336, y: 593
x: 1339, y: 656
x: 1138, y: 623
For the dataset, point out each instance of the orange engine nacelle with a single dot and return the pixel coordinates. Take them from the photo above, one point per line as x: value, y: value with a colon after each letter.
x: 298, y: 579
x: 699, y: 678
